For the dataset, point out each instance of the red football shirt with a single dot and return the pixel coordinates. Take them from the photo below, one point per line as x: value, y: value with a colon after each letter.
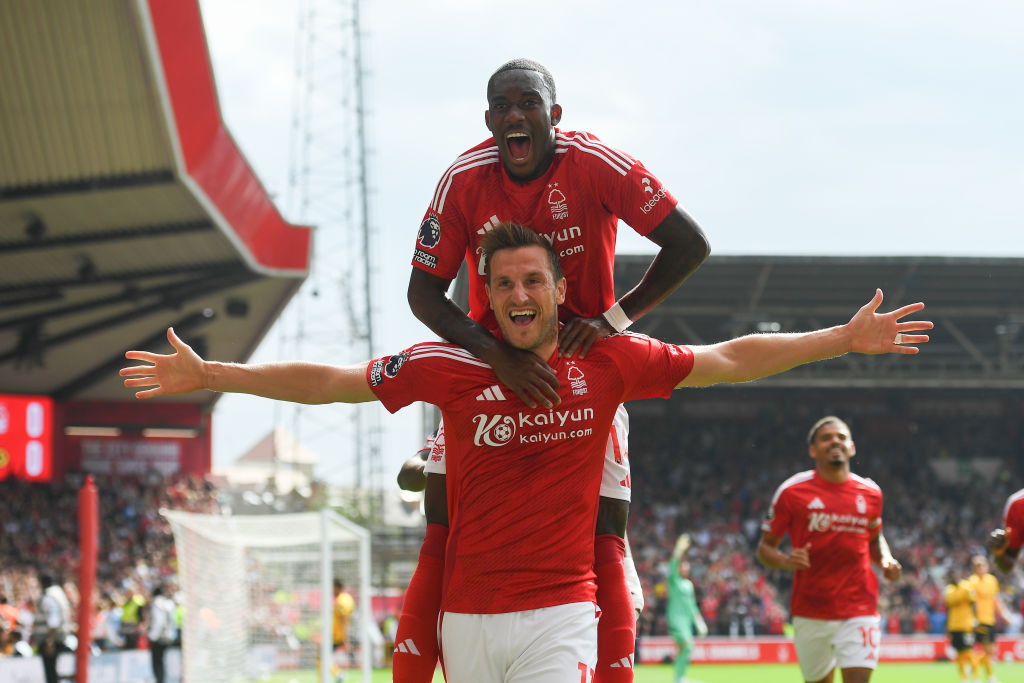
x: 839, y: 521
x: 523, y: 483
x: 1013, y: 520
x: 576, y: 204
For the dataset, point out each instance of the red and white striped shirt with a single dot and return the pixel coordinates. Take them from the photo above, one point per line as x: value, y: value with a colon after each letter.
x: 576, y: 204
x: 523, y: 483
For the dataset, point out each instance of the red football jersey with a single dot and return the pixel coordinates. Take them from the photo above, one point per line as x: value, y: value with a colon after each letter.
x: 576, y: 204
x: 523, y: 483
x: 1013, y: 520
x: 839, y: 521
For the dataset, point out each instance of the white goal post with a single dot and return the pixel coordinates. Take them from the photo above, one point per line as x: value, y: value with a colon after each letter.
x: 258, y: 593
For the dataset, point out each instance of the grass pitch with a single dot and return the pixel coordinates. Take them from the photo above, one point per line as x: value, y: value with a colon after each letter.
x: 939, y: 672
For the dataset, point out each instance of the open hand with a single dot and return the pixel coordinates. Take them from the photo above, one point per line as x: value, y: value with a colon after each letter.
x: 579, y: 334
x: 530, y: 378
x: 180, y: 372
x: 873, y: 332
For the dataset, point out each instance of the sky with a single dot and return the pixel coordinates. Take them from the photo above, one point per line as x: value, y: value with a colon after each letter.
x: 793, y: 127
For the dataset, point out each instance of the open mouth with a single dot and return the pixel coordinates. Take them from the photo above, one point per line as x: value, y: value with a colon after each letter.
x: 518, y: 145
x: 522, y: 318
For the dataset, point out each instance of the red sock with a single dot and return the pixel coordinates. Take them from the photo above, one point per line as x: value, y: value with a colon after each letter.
x: 616, y: 630
x: 415, y: 656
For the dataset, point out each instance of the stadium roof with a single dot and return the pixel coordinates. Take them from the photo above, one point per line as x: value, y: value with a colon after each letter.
x: 977, y: 305
x: 125, y: 205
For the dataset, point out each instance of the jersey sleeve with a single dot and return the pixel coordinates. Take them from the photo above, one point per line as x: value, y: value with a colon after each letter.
x: 778, y: 517
x: 416, y: 374
x: 875, y: 523
x: 650, y: 368
x: 441, y: 240
x: 627, y: 189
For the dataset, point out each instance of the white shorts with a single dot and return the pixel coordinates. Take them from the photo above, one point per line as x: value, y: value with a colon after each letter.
x: 548, y: 645
x: 822, y: 645
x: 615, y: 481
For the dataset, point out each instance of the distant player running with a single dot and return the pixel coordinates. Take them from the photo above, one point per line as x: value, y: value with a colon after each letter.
x: 986, y: 606
x: 960, y: 623
x: 834, y: 521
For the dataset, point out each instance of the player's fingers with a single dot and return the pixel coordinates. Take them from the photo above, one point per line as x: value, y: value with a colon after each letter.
x: 137, y: 370
x: 525, y: 395
x: 915, y: 339
x: 149, y: 393
x: 914, y: 326
x: 875, y: 302
x: 546, y: 394
x: 142, y: 382
x: 908, y: 309
x: 144, y: 356
x: 568, y: 341
x: 587, y: 343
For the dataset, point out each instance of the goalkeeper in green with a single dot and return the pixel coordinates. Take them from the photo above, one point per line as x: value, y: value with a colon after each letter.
x: 683, y: 613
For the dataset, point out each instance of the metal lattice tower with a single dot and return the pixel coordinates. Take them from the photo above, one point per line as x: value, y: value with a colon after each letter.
x: 331, y: 319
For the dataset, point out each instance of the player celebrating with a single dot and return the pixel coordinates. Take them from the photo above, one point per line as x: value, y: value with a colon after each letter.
x: 834, y: 521
x: 518, y: 604
x: 960, y: 622
x: 572, y: 188
x: 986, y: 606
x: 1005, y: 543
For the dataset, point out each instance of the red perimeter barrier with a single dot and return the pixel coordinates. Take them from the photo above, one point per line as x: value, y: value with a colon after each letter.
x: 779, y: 649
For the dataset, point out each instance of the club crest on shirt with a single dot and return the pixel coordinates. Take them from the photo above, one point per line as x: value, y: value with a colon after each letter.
x: 862, y: 505
x: 437, y: 451
x: 576, y: 379
x: 430, y: 232
x: 557, y: 204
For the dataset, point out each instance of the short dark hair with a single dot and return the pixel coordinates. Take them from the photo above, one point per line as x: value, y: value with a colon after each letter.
x: 527, y: 65
x: 514, y: 236
x: 821, y: 423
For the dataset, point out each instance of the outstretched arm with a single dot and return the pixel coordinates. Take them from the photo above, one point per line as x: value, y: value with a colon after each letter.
x: 760, y: 355
x: 184, y: 371
x: 684, y: 246
x: 521, y: 371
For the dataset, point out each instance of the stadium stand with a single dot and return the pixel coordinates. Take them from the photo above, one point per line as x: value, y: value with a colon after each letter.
x: 940, y: 432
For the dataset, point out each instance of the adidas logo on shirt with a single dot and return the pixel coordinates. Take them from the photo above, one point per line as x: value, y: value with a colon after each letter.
x: 491, y: 393
x: 816, y: 504
x: 407, y: 646
x: 488, y: 226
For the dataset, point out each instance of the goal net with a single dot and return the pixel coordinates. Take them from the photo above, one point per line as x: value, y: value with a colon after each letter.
x: 254, y: 590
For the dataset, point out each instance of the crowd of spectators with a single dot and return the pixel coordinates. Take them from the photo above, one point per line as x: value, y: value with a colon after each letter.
x: 39, y: 535
x: 709, y: 475
x: 714, y: 478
